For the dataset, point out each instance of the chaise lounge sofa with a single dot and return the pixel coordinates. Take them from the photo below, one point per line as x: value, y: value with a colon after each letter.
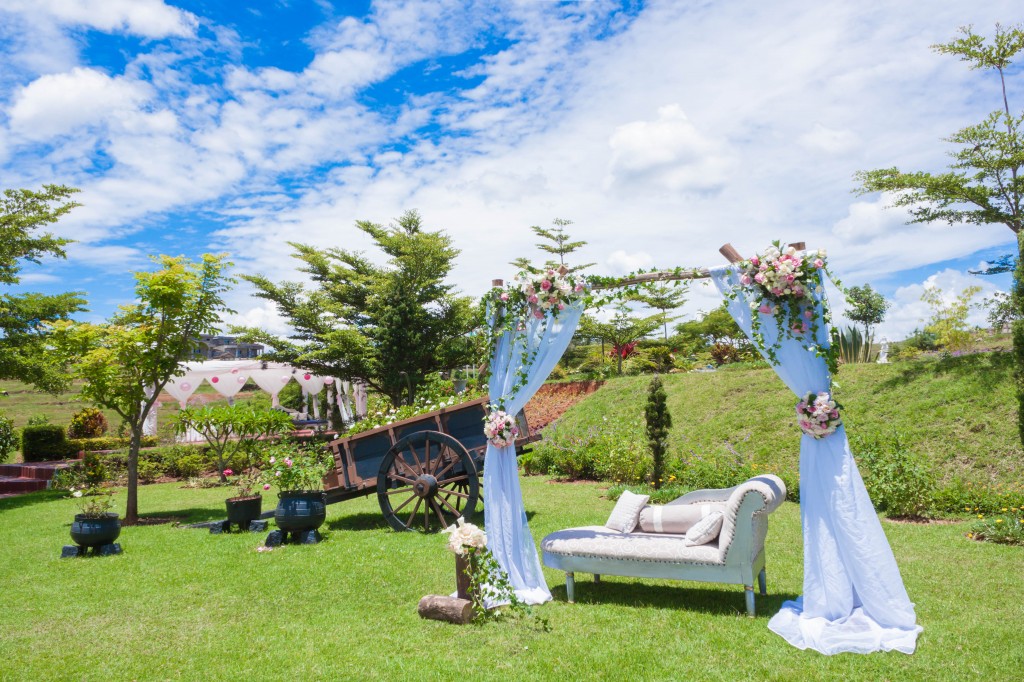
x: 734, y: 556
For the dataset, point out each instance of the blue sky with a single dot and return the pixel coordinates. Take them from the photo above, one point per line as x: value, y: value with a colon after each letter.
x: 662, y: 129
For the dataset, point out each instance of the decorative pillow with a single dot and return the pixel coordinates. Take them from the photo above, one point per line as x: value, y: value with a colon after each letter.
x: 705, y: 530
x: 673, y: 518
x: 626, y: 512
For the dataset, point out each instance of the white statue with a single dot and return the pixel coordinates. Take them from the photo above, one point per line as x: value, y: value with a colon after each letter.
x: 883, y: 355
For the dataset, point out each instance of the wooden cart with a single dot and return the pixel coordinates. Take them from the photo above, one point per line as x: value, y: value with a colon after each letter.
x: 425, y: 470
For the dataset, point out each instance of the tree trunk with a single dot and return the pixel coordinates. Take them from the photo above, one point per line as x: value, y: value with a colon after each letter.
x: 867, y: 343
x: 618, y: 354
x: 131, y: 512
x: 1017, y: 328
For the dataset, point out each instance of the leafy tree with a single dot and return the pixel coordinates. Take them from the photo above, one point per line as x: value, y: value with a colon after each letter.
x: 949, y: 320
x: 985, y: 184
x: 24, y: 318
x: 868, y: 307
x: 659, y: 421
x: 559, y: 244
x: 389, y: 326
x: 1000, y: 311
x: 622, y: 332
x: 233, y: 428
x: 664, y: 297
x: 715, y: 327
x: 127, y: 361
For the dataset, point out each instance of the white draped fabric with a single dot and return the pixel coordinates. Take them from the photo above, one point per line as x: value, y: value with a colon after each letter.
x: 272, y: 380
x: 508, y: 533
x: 854, y: 599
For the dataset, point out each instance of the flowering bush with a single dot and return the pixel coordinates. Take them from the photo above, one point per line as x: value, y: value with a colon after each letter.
x: 818, y: 415
x: 1006, y: 528
x: 293, y: 468
x: 247, y: 482
x: 501, y: 428
x: 93, y: 503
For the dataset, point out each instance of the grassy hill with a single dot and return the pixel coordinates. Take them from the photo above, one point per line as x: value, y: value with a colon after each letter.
x: 959, y: 412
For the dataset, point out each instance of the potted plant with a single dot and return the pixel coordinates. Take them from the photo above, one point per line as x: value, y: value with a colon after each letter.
x: 95, y: 525
x: 247, y: 504
x: 298, y: 473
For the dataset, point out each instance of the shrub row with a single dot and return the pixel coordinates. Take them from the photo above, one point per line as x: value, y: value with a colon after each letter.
x: 49, y: 441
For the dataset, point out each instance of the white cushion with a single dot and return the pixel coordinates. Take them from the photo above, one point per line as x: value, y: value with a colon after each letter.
x: 705, y: 530
x: 627, y: 512
x: 670, y: 519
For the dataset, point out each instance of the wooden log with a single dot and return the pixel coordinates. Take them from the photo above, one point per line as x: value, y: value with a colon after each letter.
x: 449, y: 609
x: 497, y: 283
x: 799, y: 246
x: 730, y: 253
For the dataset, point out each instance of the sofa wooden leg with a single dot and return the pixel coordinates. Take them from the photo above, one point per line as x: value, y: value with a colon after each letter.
x: 762, y: 583
x: 748, y: 590
x: 570, y: 587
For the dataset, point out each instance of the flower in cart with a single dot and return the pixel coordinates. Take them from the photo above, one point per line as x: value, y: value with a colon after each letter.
x: 464, y: 536
x: 501, y: 428
x: 818, y: 414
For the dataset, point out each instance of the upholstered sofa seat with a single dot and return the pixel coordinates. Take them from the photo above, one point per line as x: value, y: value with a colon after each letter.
x: 736, y: 556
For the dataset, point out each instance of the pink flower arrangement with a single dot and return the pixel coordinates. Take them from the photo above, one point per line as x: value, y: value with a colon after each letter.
x: 818, y: 414
x: 544, y: 291
x: 501, y: 428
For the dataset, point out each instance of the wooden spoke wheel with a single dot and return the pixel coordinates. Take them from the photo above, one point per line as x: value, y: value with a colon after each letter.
x: 426, y: 481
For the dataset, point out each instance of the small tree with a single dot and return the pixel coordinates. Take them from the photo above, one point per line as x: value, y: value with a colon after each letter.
x: 126, y: 362
x: 659, y: 421
x: 949, y: 320
x: 558, y: 243
x: 24, y: 318
x: 663, y: 297
x: 624, y: 330
x: 233, y: 428
x: 985, y: 183
x: 868, y: 307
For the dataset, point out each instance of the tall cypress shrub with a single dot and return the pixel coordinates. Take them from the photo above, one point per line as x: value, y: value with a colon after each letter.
x: 659, y: 421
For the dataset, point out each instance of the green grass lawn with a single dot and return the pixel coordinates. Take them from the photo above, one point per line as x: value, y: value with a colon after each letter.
x: 960, y: 413
x: 184, y: 604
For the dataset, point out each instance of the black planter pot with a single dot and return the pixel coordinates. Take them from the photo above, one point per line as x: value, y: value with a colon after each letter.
x: 92, y: 532
x: 301, y: 510
x: 242, y: 510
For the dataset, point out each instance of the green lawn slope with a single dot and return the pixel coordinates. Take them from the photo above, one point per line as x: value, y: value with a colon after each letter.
x: 959, y: 412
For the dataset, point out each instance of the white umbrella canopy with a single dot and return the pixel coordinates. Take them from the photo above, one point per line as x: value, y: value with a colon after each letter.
x: 229, y: 376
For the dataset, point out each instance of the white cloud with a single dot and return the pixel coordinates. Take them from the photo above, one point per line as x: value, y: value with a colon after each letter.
x: 57, y: 104
x: 667, y: 152
x: 827, y: 140
x: 622, y: 263
x: 148, y: 18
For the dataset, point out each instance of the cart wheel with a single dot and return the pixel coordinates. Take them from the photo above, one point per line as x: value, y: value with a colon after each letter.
x: 426, y: 481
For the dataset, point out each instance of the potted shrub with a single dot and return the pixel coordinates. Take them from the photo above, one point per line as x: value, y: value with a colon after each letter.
x: 95, y: 525
x: 302, y: 505
x: 247, y: 504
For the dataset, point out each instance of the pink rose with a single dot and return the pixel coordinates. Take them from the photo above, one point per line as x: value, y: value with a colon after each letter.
x: 539, y: 314
x: 818, y: 263
x: 532, y: 299
x: 228, y: 472
x: 765, y: 309
x: 790, y: 278
x: 754, y: 260
x: 759, y: 278
x: 266, y: 486
x: 808, y: 314
x: 579, y: 288
x: 552, y: 300
x: 561, y: 306
x: 545, y: 285
x: 504, y: 297
x: 745, y: 280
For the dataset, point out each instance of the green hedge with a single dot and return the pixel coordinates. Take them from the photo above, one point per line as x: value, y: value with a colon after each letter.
x: 43, y: 442
x: 106, y: 443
